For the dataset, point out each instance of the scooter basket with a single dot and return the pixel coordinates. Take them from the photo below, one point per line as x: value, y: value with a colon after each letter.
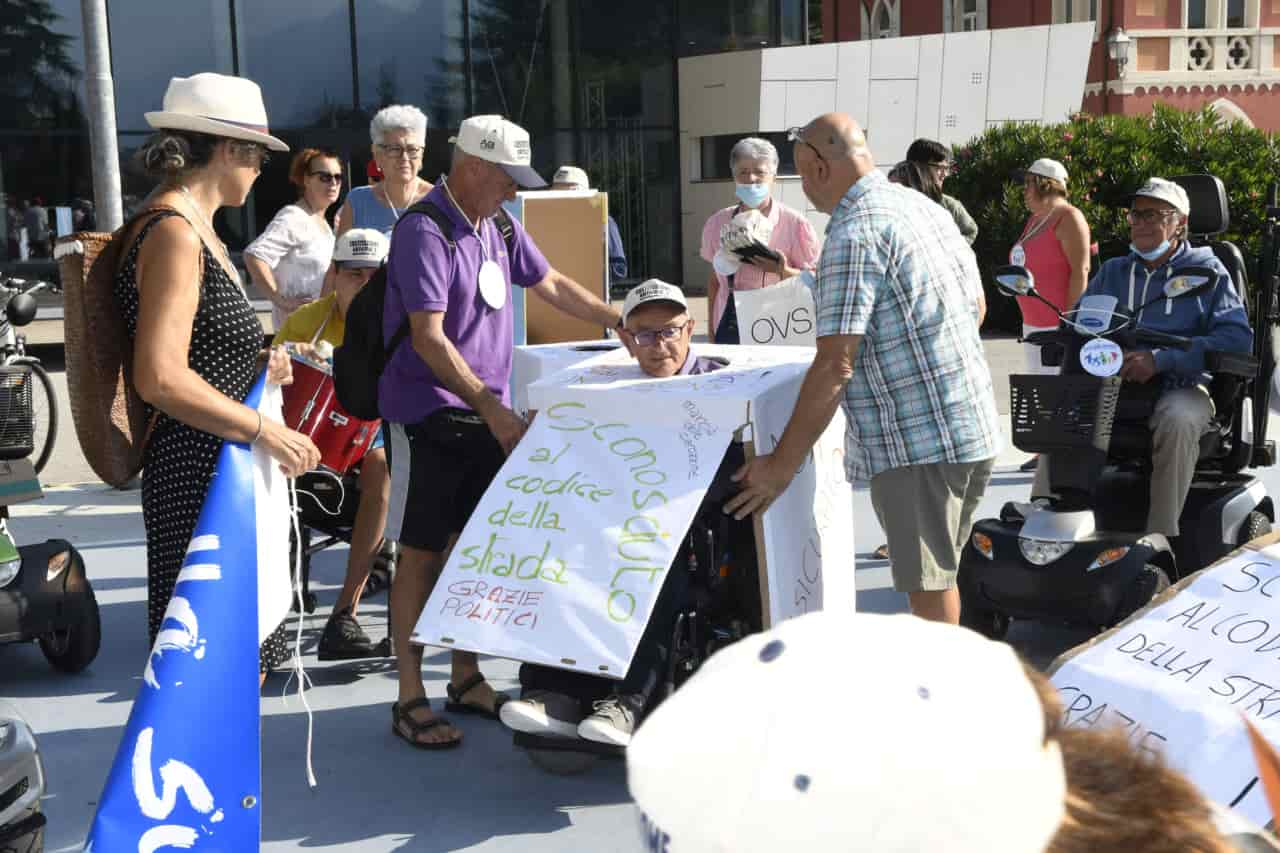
x: 1057, y: 413
x: 17, y: 422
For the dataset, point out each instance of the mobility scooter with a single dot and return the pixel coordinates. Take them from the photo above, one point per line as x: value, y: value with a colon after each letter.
x: 1084, y: 557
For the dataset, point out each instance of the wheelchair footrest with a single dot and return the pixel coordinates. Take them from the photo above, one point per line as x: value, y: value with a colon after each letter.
x: 523, y: 740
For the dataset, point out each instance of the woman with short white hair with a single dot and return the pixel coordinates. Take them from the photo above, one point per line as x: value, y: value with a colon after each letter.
x: 399, y: 134
x: 754, y: 165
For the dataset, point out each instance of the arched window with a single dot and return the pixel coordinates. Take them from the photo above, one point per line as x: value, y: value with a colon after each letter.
x: 884, y: 20
x: 964, y: 15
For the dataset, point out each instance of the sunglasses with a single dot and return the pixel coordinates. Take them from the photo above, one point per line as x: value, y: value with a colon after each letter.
x: 794, y: 134
x: 666, y: 333
x: 327, y: 177
x: 397, y: 151
x: 1149, y: 216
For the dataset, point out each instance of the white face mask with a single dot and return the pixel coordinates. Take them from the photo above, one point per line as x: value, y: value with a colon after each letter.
x: 1154, y: 254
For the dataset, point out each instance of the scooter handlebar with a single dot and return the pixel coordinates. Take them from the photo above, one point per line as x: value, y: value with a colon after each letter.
x: 1126, y: 338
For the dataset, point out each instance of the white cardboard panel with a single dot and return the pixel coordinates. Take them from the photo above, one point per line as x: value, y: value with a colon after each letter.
x: 801, y: 62
x: 773, y: 105
x: 929, y: 90
x: 888, y: 133
x: 808, y: 99
x: 964, y: 87
x: 895, y: 59
x: 853, y: 80
x: 1017, y: 74
x: 720, y: 93
x: 1067, y: 66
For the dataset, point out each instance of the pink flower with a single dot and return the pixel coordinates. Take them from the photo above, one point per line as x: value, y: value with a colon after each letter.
x: 1068, y: 136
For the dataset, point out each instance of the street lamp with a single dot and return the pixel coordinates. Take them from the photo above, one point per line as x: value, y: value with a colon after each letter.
x: 1118, y: 45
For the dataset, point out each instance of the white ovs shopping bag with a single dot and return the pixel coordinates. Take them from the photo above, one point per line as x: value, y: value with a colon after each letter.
x: 782, y: 314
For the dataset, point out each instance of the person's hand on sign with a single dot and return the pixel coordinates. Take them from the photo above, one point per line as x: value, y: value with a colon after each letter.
x: 507, y: 427
x: 1139, y: 366
x: 762, y: 479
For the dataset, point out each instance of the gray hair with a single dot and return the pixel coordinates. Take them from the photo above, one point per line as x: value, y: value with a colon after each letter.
x: 398, y: 117
x: 754, y: 148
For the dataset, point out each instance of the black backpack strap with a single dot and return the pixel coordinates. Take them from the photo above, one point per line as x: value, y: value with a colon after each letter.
x: 441, y: 219
x: 506, y: 227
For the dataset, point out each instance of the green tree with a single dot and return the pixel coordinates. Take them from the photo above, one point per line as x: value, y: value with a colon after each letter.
x: 37, y: 75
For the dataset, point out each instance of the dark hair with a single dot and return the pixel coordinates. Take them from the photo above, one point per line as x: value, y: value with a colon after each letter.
x: 928, y: 152
x: 919, y: 178
x: 168, y: 153
x: 300, y: 165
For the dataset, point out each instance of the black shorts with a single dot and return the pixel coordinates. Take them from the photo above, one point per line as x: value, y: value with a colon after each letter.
x: 440, y: 468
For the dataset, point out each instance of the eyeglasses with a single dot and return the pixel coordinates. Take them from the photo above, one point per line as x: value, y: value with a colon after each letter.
x: 794, y: 135
x: 1150, y: 216
x: 253, y: 150
x: 395, y: 152
x: 666, y: 333
x: 327, y: 177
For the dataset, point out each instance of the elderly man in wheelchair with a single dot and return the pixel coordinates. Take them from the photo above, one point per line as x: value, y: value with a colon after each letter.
x: 313, y: 331
x: 1214, y: 321
x: 657, y: 330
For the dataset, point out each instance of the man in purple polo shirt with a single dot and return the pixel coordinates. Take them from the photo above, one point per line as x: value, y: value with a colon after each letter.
x: 444, y: 392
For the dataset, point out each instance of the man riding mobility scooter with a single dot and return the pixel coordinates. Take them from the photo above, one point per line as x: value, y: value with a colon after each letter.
x: 1088, y: 555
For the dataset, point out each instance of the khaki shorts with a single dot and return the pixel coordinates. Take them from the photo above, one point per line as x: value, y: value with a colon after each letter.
x: 926, y: 512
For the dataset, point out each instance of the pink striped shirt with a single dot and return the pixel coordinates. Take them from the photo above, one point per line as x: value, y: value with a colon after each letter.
x: 792, y: 235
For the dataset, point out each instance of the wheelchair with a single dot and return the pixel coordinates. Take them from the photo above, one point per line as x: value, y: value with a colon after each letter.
x: 326, y: 513
x: 1086, y: 559
x: 721, y: 603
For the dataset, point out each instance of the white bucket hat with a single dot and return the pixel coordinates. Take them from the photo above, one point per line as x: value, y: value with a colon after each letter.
x: 218, y: 105
x: 838, y: 731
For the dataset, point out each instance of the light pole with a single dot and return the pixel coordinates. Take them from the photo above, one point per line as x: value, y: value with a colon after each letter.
x: 1118, y: 46
x: 101, y: 106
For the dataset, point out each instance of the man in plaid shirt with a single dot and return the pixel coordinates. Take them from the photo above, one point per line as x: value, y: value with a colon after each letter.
x: 899, y: 303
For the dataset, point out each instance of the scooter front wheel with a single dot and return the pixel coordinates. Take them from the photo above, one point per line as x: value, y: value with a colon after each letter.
x: 989, y: 623
x: 74, y: 648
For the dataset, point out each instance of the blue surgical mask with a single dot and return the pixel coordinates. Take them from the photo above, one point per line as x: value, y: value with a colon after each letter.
x: 1152, y: 255
x: 752, y: 195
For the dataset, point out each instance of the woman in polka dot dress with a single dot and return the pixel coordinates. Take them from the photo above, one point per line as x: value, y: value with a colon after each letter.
x: 197, y: 340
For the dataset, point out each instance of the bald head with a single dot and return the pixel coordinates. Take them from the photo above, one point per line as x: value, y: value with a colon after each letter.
x: 831, y: 155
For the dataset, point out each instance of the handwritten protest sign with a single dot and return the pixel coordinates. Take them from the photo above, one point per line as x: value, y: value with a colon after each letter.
x: 561, y: 562
x: 780, y: 315
x: 1180, y: 677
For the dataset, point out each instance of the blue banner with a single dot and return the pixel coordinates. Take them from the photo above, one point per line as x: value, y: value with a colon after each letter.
x: 187, y: 773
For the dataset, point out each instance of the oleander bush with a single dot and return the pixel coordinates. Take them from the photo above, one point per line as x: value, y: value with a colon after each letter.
x: 1108, y: 157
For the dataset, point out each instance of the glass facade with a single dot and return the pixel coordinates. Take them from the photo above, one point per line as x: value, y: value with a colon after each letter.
x: 594, y: 83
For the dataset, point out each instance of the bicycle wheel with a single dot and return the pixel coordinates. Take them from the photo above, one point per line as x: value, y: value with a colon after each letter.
x: 44, y: 410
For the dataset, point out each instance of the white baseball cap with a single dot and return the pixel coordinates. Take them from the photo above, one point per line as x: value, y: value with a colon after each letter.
x: 838, y: 731
x: 572, y: 175
x: 216, y: 104
x: 1167, y: 191
x: 653, y: 290
x: 1047, y: 168
x: 499, y: 141
x: 361, y: 247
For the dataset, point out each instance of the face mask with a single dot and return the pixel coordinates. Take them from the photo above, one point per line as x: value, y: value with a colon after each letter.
x: 1155, y: 253
x: 752, y: 195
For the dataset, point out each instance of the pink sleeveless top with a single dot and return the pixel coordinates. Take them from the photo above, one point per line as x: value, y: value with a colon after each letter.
x: 1048, y: 263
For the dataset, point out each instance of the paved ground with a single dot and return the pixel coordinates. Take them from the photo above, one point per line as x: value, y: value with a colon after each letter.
x: 375, y: 794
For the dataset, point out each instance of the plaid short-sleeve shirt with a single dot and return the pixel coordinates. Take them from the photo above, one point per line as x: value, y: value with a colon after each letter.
x: 895, y: 270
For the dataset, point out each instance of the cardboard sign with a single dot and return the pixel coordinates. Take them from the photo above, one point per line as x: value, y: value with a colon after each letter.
x: 1180, y: 676
x: 779, y: 315
x: 563, y: 559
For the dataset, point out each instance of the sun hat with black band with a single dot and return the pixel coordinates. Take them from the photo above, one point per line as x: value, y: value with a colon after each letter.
x: 503, y: 143
x: 218, y: 105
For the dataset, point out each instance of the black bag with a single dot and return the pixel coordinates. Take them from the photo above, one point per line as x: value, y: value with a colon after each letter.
x: 358, y: 363
x: 727, y: 331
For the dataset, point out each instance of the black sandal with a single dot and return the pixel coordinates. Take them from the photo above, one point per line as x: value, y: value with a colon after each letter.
x: 457, y: 706
x: 400, y: 714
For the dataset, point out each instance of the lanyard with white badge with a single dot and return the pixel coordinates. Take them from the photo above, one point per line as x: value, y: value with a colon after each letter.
x: 491, y: 280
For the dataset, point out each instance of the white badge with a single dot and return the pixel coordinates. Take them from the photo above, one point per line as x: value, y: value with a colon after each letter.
x: 493, y: 285
x: 1017, y: 256
x: 1101, y: 357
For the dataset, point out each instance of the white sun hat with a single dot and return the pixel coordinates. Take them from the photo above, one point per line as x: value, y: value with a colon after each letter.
x: 503, y: 143
x: 837, y: 732
x: 216, y: 104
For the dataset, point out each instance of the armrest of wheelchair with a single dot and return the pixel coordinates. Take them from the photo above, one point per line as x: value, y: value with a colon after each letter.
x: 1241, y: 364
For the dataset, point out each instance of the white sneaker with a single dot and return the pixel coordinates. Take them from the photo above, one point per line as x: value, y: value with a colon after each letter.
x: 541, y: 712
x: 612, y: 723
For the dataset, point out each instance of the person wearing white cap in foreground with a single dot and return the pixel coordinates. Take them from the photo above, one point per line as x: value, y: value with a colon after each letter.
x: 1215, y: 321
x: 445, y: 392
x: 573, y: 178
x: 926, y: 737
x: 196, y: 338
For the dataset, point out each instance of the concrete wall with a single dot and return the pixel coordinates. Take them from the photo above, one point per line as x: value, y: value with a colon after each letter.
x: 947, y: 87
